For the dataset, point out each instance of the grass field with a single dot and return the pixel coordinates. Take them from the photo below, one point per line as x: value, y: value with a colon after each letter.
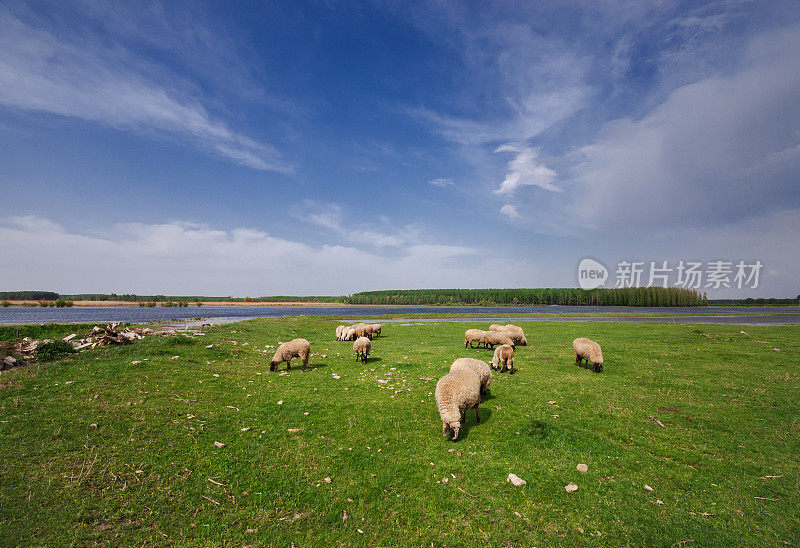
x: 97, y: 449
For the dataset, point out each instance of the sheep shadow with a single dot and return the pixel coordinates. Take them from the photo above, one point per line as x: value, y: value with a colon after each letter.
x: 470, y: 421
x: 591, y: 367
x: 299, y: 367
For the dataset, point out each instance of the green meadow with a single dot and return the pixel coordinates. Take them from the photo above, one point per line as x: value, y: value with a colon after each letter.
x: 691, y: 434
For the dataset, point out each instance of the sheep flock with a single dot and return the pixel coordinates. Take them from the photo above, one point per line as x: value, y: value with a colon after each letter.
x: 467, y: 380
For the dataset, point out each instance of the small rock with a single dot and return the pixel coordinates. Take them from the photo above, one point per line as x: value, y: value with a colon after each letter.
x: 570, y: 487
x: 648, y: 487
x: 328, y: 479
x: 293, y: 430
x: 9, y: 362
x: 210, y: 346
x: 552, y: 402
x: 93, y: 425
x: 219, y: 444
x: 516, y: 480
x: 136, y: 362
x: 360, y: 531
x: 582, y: 468
x: 280, y: 402
x: 659, y: 501
x: 69, y: 337
x: 175, y: 357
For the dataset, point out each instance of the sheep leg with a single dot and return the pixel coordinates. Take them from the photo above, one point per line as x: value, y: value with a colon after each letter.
x: 305, y: 362
x: 511, y: 365
x: 289, y: 364
x: 477, y: 414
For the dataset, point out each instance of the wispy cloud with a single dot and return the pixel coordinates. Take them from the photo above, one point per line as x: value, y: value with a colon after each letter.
x: 525, y: 169
x: 510, y: 211
x: 58, y: 72
x: 331, y: 217
x: 441, y: 182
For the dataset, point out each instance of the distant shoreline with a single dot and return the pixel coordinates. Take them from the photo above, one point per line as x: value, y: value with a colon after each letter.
x: 328, y: 304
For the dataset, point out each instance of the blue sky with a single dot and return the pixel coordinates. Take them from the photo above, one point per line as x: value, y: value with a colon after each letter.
x: 331, y: 147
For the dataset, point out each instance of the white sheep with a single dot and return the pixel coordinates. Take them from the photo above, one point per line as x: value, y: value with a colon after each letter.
x: 362, y: 347
x: 376, y: 328
x: 588, y: 350
x: 457, y: 392
x: 503, y: 357
x: 480, y: 368
x: 515, y: 332
x: 297, y: 348
x: 491, y: 338
x: 349, y: 334
x: 339, y: 330
x: 473, y: 335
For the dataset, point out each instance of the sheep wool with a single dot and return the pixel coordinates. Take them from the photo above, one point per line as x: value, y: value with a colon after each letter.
x: 362, y: 347
x: 491, y: 338
x: 480, y: 368
x: 471, y: 336
x: 297, y: 348
x: 515, y: 332
x: 457, y: 392
x: 349, y: 334
x: 503, y: 358
x: 588, y: 350
x: 376, y: 329
x: 339, y: 331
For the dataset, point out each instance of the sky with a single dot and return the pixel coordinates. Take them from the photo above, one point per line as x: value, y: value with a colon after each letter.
x: 324, y: 148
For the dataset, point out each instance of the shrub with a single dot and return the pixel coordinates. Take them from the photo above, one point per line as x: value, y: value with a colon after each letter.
x: 5, y: 304
x: 69, y: 304
x: 168, y: 304
x: 199, y: 303
x: 54, y: 350
x: 61, y: 303
x: 151, y: 304
x: 142, y: 304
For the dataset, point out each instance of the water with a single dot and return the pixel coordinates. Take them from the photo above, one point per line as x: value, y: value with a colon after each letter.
x: 744, y: 315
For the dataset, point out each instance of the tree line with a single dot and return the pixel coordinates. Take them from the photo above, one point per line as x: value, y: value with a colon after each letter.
x: 629, y: 296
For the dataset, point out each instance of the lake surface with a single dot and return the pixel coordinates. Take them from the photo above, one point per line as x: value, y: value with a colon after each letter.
x: 744, y: 315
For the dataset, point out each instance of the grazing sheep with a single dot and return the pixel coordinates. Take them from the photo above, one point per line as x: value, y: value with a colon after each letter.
x: 503, y: 357
x: 588, y: 350
x: 473, y: 335
x: 297, y: 348
x: 457, y: 392
x: 480, y: 368
x: 339, y: 331
x: 491, y: 338
x: 349, y: 334
x: 362, y: 347
x: 515, y: 332
x: 376, y: 329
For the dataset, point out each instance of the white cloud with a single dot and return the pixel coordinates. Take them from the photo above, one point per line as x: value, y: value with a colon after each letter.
x: 510, y: 211
x: 714, y: 152
x: 525, y: 169
x: 441, y: 182
x: 331, y: 217
x: 187, y: 258
x: 79, y: 77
